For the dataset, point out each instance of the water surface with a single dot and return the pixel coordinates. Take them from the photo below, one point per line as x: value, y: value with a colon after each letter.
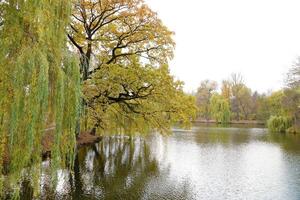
x: 202, y: 163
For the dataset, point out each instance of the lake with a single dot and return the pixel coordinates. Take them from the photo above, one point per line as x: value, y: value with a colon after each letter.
x: 201, y: 163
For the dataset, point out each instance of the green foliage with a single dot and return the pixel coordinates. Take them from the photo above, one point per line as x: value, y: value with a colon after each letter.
x: 270, y: 105
x: 137, y: 99
x: 279, y: 124
x: 274, y: 103
x: 220, y: 109
x: 39, y: 84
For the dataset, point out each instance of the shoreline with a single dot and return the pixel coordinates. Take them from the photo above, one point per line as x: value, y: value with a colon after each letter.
x: 242, y: 122
x: 83, y: 139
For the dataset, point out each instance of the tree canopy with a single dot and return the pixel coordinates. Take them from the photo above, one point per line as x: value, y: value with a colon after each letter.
x: 111, y: 32
x: 124, y: 49
x: 137, y: 99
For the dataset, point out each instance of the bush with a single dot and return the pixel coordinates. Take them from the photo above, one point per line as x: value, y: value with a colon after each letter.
x: 279, y: 124
x: 293, y: 130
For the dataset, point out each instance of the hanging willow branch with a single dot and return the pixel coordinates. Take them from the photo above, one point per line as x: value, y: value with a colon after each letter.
x: 39, y: 84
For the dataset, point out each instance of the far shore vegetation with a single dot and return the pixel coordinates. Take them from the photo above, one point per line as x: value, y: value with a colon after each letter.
x: 234, y: 102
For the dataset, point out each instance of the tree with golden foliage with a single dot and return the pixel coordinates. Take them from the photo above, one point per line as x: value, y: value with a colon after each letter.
x: 124, y: 50
x: 112, y: 31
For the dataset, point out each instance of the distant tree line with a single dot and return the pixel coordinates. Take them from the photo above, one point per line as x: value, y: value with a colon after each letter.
x: 234, y: 100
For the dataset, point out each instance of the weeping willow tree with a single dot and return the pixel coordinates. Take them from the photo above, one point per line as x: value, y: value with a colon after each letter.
x: 39, y: 85
x: 279, y: 124
x: 219, y: 108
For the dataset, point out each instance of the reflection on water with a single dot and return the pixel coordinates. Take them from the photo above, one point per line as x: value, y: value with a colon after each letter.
x: 203, y: 163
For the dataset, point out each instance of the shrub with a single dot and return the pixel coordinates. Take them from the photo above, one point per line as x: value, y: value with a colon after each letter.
x: 293, y: 130
x: 279, y: 124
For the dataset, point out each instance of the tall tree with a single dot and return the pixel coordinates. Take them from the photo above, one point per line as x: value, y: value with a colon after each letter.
x: 39, y: 83
x: 290, y: 103
x: 226, y: 89
x: 120, y: 42
x: 291, y: 99
x: 293, y: 76
x: 203, y: 95
x: 239, y: 94
x: 245, y: 103
x: 255, y: 98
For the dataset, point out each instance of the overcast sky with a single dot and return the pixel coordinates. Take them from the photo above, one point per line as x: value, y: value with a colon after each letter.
x: 258, y: 38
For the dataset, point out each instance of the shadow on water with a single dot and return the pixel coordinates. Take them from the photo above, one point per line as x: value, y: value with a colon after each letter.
x: 116, y: 168
x: 289, y: 142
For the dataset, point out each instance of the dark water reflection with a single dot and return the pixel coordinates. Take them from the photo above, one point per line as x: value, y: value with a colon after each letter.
x: 203, y: 163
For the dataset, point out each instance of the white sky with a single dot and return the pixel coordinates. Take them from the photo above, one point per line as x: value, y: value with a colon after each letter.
x: 258, y: 38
